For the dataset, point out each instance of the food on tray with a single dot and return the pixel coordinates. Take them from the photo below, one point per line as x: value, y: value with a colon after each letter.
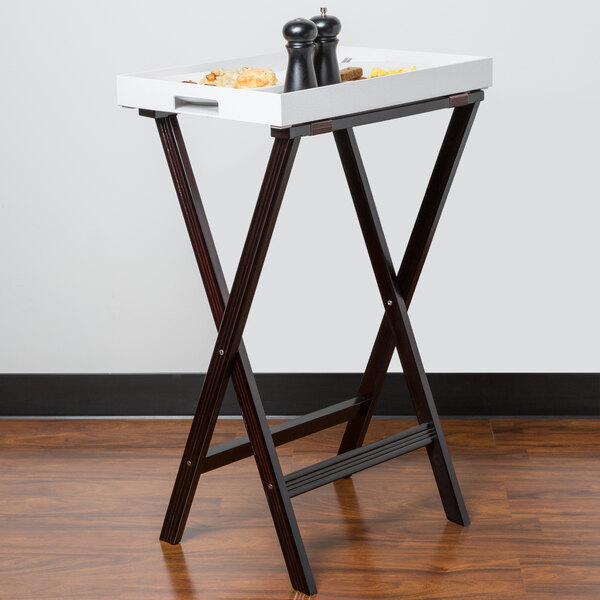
x: 220, y: 78
x: 242, y: 78
x: 253, y: 78
x: 379, y: 72
x: 351, y: 73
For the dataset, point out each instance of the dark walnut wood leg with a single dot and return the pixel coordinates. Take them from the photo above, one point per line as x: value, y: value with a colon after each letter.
x: 229, y: 357
x: 399, y: 323
x: 410, y: 269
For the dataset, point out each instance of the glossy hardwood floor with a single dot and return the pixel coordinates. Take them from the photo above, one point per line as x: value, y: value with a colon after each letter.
x: 81, y: 506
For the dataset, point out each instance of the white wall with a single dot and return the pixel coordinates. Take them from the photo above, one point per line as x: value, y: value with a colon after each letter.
x: 96, y: 271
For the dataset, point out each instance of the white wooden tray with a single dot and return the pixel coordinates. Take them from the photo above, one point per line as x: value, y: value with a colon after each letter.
x: 435, y: 75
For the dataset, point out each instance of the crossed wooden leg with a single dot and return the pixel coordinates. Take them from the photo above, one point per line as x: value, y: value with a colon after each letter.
x: 395, y: 330
x: 229, y: 358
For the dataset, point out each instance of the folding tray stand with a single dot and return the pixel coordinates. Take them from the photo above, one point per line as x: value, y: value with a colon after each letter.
x: 230, y: 311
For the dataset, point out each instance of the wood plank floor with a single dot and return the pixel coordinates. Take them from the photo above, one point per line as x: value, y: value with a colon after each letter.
x: 81, y: 506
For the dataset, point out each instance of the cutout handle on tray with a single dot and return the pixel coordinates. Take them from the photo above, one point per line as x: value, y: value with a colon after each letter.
x: 200, y: 106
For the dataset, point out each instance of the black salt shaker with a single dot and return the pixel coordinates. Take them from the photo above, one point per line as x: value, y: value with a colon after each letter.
x: 300, y: 35
x: 326, y: 64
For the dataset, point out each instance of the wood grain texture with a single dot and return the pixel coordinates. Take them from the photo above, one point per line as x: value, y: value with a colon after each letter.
x: 81, y: 503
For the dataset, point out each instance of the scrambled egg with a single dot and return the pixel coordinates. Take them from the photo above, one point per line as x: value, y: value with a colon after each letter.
x: 377, y: 72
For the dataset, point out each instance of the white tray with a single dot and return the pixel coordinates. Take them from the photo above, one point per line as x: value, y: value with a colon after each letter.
x: 435, y: 75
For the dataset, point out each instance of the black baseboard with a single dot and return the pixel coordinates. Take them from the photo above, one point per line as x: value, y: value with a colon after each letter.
x: 456, y: 394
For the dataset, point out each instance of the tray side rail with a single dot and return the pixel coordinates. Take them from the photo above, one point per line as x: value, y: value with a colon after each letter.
x: 377, y: 116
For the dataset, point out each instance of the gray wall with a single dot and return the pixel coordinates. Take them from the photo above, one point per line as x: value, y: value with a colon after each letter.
x: 96, y: 271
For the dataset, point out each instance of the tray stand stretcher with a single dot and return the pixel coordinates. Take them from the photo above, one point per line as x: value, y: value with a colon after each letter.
x: 230, y: 311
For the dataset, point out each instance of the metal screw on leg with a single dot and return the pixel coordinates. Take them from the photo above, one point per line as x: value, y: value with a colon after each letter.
x: 389, y: 302
x: 221, y: 352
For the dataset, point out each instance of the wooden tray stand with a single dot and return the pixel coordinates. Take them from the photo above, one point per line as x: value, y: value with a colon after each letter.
x: 230, y: 312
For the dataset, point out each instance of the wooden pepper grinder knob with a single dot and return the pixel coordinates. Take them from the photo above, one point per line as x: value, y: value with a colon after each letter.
x: 326, y: 64
x: 300, y: 35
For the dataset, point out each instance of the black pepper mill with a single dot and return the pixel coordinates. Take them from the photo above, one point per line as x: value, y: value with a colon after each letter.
x: 326, y: 64
x: 300, y: 35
